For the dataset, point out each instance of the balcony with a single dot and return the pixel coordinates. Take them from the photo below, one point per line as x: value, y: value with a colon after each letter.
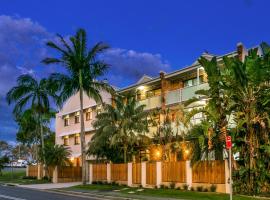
x: 183, y: 94
x: 151, y: 103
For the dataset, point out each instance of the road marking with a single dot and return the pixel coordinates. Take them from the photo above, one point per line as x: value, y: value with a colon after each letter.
x: 9, y: 197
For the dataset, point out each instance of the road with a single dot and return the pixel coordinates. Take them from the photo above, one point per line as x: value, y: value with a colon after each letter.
x: 16, y: 193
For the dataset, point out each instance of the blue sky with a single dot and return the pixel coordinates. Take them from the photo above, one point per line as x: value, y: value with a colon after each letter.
x: 145, y: 36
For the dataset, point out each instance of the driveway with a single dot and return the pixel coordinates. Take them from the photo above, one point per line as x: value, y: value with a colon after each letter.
x: 18, y: 193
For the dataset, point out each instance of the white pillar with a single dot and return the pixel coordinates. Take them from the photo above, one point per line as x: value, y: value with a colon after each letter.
x: 108, y: 172
x: 39, y: 175
x: 159, y: 173
x: 189, y: 174
x: 55, y: 175
x: 129, y: 174
x: 143, y: 172
x: 90, y: 173
x: 227, y: 177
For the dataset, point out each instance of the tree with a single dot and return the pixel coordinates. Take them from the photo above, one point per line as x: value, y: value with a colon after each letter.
x: 83, y: 71
x: 121, y: 123
x: 3, y: 160
x: 248, y: 87
x: 32, y: 94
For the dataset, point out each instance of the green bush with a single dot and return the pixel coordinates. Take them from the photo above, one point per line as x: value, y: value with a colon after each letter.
x: 185, y: 187
x: 205, y: 190
x: 213, y: 188
x: 29, y: 177
x: 162, y: 186
x: 199, y: 188
x: 172, y: 185
x: 192, y: 189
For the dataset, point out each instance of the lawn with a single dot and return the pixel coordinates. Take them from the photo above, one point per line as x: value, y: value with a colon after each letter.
x: 169, y: 193
x: 16, y: 177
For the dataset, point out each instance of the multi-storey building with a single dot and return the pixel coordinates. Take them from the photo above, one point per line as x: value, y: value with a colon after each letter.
x: 168, y: 90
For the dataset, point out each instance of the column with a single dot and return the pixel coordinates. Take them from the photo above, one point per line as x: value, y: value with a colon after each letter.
x: 108, y: 172
x: 159, y: 173
x: 189, y: 174
x: 129, y: 174
x: 227, y: 177
x: 143, y: 172
x: 90, y: 173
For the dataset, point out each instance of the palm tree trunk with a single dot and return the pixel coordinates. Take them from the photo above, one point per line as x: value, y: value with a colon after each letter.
x: 125, y: 153
x: 82, y: 135
x: 43, y: 145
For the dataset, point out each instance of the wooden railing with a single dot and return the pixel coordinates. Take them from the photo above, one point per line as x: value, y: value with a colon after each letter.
x: 119, y: 172
x: 174, y: 171
x: 99, y: 172
x: 69, y: 174
x: 209, y: 172
x: 136, y: 173
x: 151, y: 173
x: 33, y: 170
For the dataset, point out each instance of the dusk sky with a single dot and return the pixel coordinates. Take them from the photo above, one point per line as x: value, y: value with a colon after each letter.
x: 145, y: 36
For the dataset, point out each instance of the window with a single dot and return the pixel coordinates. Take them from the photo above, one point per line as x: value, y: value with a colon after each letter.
x: 66, y: 143
x: 152, y: 93
x: 77, y: 118
x: 66, y: 121
x: 193, y: 82
x: 89, y: 115
x: 77, y: 139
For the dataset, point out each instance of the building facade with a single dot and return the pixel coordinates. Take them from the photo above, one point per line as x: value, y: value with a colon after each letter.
x: 167, y: 91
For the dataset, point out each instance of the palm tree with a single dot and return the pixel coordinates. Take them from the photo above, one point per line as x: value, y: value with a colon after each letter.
x: 83, y: 71
x: 121, y: 123
x: 32, y: 94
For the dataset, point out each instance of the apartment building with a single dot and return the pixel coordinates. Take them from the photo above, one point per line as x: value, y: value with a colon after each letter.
x: 168, y: 90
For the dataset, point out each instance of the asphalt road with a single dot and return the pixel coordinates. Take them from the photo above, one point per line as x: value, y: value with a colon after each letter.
x: 16, y: 193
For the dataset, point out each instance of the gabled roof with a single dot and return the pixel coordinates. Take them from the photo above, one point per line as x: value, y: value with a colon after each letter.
x: 144, y: 79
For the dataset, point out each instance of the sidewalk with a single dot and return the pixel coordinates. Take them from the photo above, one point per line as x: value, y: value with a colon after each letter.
x: 48, y: 186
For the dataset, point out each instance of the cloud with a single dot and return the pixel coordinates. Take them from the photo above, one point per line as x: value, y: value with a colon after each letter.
x: 128, y: 66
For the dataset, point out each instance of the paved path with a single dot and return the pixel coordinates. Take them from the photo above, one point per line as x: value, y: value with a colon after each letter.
x: 48, y: 186
x: 18, y: 193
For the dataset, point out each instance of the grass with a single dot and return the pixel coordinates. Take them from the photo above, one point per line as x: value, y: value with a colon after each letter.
x: 166, y: 193
x: 17, y: 178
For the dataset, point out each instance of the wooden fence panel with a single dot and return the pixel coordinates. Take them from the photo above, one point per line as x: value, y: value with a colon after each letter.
x: 33, y: 170
x: 209, y: 172
x: 174, y: 172
x: 151, y: 173
x: 69, y: 174
x: 136, y: 173
x: 99, y: 172
x: 119, y: 172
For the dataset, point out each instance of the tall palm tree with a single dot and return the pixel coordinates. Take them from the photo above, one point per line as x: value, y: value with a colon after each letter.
x: 32, y: 94
x: 122, y: 123
x: 83, y: 71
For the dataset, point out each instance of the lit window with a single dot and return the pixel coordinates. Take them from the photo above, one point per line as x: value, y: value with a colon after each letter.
x: 66, y: 143
x: 66, y: 121
x: 89, y: 115
x: 77, y: 139
x: 77, y: 118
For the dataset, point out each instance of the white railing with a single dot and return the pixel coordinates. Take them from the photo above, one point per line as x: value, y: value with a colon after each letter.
x: 151, y: 103
x: 183, y: 94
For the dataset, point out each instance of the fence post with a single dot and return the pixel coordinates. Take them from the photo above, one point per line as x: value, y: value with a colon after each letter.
x: 143, y: 173
x: 39, y: 171
x: 90, y: 173
x: 227, y: 177
x: 129, y: 174
x: 159, y: 173
x: 27, y: 170
x: 55, y: 175
x: 108, y: 172
x: 188, y: 174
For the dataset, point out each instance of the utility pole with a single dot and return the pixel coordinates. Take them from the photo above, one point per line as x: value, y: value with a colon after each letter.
x: 229, y: 146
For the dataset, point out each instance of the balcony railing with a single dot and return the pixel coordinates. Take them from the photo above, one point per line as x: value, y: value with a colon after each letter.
x: 151, y: 103
x: 183, y: 94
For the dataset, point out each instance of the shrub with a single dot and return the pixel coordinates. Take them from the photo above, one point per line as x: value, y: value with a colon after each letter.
x: 213, y: 188
x: 166, y: 187
x: 178, y: 188
x: 29, y: 177
x: 162, y: 186
x: 205, y: 190
x: 185, y: 187
x: 199, y: 188
x: 172, y: 185
x: 192, y: 188
x: 94, y: 182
